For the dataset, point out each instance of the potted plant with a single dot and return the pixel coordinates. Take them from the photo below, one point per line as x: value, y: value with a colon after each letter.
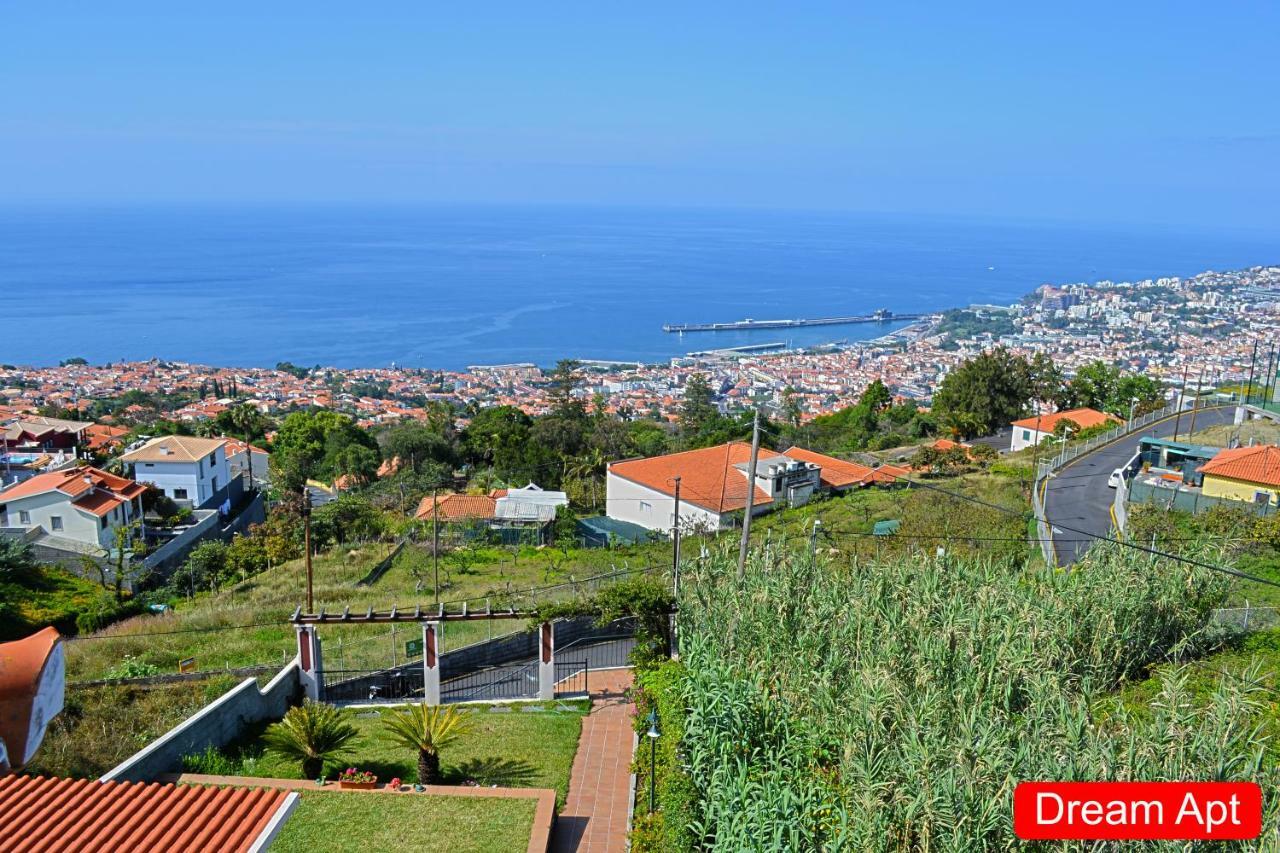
x: 310, y: 733
x: 427, y: 729
x: 358, y: 779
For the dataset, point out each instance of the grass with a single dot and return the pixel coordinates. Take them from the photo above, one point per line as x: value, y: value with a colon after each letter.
x: 46, y: 595
x: 1260, y: 431
x: 512, y: 746
x: 101, y: 726
x: 328, y: 820
x: 271, y: 597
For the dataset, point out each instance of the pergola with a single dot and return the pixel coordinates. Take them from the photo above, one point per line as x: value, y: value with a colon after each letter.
x: 310, y: 656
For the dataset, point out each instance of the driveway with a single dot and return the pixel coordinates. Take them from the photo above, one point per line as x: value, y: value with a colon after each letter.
x: 1078, y: 496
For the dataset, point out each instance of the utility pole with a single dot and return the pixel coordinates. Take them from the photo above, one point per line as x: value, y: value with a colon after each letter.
x: 1195, y: 404
x: 751, y: 495
x: 435, y: 540
x: 1252, y: 364
x: 1182, y: 396
x: 675, y: 551
x: 813, y: 542
x: 306, y: 543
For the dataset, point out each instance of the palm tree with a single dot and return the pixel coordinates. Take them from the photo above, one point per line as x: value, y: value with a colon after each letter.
x: 428, y: 729
x: 311, y: 733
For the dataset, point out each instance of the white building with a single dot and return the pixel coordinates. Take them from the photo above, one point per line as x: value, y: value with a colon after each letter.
x: 80, y: 505
x: 192, y: 471
x: 713, y: 486
x: 1035, y: 429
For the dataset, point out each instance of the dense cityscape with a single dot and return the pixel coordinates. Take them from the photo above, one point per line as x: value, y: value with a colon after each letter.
x: 1206, y: 325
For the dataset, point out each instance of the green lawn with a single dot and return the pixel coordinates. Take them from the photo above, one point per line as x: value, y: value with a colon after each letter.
x: 333, y: 820
x: 522, y: 745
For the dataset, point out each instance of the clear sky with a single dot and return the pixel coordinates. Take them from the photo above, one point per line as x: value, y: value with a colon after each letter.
x: 1149, y: 111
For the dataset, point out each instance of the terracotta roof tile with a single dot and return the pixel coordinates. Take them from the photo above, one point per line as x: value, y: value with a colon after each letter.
x: 708, y: 478
x: 51, y: 814
x: 1083, y: 418
x: 1258, y: 464
x: 453, y: 507
x: 836, y: 473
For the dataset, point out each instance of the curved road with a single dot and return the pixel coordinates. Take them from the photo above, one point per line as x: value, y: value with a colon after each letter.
x: 1078, y: 496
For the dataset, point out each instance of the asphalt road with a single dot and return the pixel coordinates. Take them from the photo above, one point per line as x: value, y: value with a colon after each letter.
x: 1078, y: 497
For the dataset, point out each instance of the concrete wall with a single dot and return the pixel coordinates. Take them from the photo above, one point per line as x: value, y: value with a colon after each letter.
x: 216, y: 725
x: 1216, y: 486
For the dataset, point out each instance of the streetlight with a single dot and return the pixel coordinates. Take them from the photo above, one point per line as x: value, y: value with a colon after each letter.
x: 1133, y: 404
x: 653, y: 734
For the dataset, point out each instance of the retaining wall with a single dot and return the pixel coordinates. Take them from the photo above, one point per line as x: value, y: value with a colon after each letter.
x: 216, y: 725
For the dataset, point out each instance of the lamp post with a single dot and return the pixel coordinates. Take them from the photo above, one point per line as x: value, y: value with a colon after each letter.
x: 653, y: 734
x: 1133, y: 405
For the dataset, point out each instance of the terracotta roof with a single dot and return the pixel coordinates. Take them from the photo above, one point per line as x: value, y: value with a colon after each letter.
x: 101, y: 435
x: 889, y: 474
x: 453, y: 507
x: 50, y: 814
x: 1258, y: 464
x: 947, y: 444
x: 836, y: 473
x: 1083, y: 418
x: 174, y: 448
x: 75, y: 482
x: 708, y: 478
x: 32, y: 679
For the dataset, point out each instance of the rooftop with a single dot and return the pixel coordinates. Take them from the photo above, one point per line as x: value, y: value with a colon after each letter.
x: 174, y: 448
x: 1083, y: 418
x: 708, y: 477
x: 51, y: 814
x: 1258, y: 464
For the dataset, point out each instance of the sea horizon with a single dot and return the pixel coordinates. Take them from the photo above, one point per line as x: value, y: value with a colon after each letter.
x: 447, y: 286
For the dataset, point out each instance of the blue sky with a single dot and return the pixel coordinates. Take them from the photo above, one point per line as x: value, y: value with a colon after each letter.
x: 1103, y: 112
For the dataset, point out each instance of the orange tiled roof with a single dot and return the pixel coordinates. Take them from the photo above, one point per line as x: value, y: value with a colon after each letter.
x: 889, y: 474
x: 454, y: 507
x: 74, y: 482
x: 708, y: 478
x: 1258, y: 464
x: 836, y: 473
x: 1083, y: 418
x: 52, y: 814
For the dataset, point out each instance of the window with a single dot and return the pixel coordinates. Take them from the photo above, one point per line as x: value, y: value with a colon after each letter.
x: 213, y: 459
x: 645, y: 506
x: 215, y: 484
x: 55, y: 521
x: 179, y: 494
x: 24, y: 517
x: 1026, y: 435
x: 104, y: 522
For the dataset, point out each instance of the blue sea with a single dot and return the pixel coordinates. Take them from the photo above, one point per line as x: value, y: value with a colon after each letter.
x: 446, y: 287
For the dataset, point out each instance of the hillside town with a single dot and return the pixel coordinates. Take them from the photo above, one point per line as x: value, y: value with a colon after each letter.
x: 1207, y: 325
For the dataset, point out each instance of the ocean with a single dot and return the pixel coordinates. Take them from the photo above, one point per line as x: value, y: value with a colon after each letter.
x: 447, y: 287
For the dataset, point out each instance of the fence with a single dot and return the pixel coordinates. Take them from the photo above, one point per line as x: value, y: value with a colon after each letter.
x: 1246, y: 618
x: 1188, y: 499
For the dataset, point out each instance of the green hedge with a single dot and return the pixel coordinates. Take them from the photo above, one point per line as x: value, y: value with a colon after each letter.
x: 669, y: 828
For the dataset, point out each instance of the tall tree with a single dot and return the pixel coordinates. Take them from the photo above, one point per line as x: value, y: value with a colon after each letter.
x: 984, y: 393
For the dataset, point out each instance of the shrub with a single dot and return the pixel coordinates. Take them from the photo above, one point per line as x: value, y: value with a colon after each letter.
x: 311, y: 733
x: 211, y: 762
x: 132, y: 667
x: 669, y: 827
x: 427, y: 729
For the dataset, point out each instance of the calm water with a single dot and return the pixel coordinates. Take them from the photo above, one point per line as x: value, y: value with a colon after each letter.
x: 445, y: 288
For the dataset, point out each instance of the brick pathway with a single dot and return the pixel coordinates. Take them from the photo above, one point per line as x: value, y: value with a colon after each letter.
x: 594, y: 819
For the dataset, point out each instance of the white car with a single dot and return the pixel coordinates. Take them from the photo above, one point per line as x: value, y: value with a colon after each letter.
x: 1117, y: 476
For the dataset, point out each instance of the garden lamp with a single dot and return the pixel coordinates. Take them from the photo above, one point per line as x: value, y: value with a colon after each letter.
x: 653, y: 734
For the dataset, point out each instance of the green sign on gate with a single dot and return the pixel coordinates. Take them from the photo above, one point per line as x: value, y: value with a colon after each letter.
x: 413, y: 648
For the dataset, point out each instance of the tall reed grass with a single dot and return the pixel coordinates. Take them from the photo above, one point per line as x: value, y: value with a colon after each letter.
x: 895, y: 705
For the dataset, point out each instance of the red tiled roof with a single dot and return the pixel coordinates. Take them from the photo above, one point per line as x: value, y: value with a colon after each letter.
x: 50, y: 814
x: 836, y: 473
x: 708, y: 478
x: 1258, y: 464
x: 74, y: 482
x: 889, y: 474
x: 453, y: 507
x: 1083, y: 418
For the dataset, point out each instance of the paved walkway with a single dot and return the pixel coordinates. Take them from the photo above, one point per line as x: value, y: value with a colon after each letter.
x: 594, y: 819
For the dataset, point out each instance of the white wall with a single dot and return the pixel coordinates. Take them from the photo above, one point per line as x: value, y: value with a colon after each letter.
x: 1025, y: 437
x: 651, y: 509
x: 77, y: 524
x: 200, y: 479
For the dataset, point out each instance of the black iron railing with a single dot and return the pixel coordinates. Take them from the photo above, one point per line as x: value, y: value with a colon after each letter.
x: 388, y: 685
x: 510, y: 681
x: 573, y: 677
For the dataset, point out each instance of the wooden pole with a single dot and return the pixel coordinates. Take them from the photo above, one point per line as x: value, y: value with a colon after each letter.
x: 751, y: 494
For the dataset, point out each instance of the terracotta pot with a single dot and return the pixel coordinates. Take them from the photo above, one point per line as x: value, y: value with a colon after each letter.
x: 360, y: 786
